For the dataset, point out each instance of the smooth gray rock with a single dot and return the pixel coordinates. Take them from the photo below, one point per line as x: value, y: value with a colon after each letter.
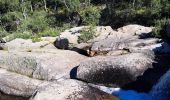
x: 135, y: 29
x: 70, y: 90
x: 18, y: 85
x: 114, y: 70
x: 49, y: 46
x: 130, y: 43
x: 24, y: 45
x: 41, y: 63
x: 69, y: 38
x: 111, y: 44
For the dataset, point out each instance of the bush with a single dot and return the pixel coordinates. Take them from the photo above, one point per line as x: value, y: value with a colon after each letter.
x: 50, y: 32
x: 8, y: 6
x: 36, y: 22
x: 24, y: 35
x: 90, y: 15
x: 86, y: 34
x: 3, y: 33
x: 11, y: 20
x: 160, y: 30
x: 36, y: 38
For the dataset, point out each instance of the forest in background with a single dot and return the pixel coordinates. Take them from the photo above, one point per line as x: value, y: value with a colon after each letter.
x: 37, y: 18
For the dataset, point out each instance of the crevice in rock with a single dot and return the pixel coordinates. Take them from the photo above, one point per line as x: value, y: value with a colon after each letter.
x: 80, y: 51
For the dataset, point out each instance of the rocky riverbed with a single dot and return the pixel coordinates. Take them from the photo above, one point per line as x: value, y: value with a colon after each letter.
x: 115, y: 65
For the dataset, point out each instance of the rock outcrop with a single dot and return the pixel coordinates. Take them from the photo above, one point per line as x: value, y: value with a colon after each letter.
x: 16, y: 84
x: 24, y: 45
x: 40, y: 64
x: 122, y: 58
x: 70, y: 90
x: 135, y: 29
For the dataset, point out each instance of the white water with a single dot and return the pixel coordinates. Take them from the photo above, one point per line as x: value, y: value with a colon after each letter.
x: 126, y: 95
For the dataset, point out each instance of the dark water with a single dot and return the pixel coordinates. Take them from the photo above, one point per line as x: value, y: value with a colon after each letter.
x: 11, y: 97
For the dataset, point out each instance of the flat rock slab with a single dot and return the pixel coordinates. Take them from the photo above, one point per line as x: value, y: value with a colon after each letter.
x: 24, y: 45
x: 18, y: 85
x: 70, y: 90
x: 135, y: 29
x: 41, y: 64
x: 114, y: 70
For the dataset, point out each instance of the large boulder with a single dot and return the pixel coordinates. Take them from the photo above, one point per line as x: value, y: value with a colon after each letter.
x: 135, y: 30
x: 2, y: 40
x: 114, y: 70
x: 102, y: 32
x: 69, y: 38
x: 62, y: 43
x: 18, y: 85
x: 70, y: 90
x: 41, y: 63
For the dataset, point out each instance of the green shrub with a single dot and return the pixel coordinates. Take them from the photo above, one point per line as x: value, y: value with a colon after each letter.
x: 86, y: 34
x: 36, y: 38
x: 50, y: 32
x: 38, y: 22
x: 72, y: 5
x: 35, y: 22
x: 159, y: 30
x: 24, y: 35
x: 9, y: 5
x: 11, y: 20
x: 3, y: 33
x: 90, y: 15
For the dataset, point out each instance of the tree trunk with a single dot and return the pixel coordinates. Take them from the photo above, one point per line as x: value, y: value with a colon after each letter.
x: 110, y: 5
x: 66, y: 5
x: 45, y: 5
x: 134, y: 2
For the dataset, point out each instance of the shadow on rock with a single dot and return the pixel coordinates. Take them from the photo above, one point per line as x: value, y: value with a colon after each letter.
x: 11, y: 97
x: 73, y: 73
x: 151, y: 76
x: 80, y: 51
